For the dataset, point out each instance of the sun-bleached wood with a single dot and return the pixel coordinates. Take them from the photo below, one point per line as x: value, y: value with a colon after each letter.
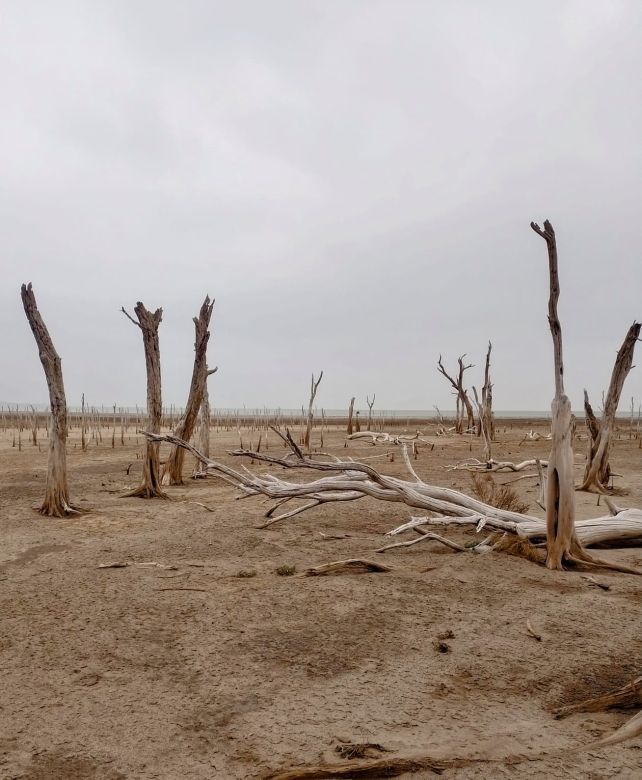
x: 205, y: 415
x: 598, y: 469
x: 56, y: 502
x: 173, y: 471
x: 314, y: 386
x: 352, y: 480
x: 148, y: 322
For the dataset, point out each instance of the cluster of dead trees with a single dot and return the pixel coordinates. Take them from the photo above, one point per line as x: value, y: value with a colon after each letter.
x: 56, y: 502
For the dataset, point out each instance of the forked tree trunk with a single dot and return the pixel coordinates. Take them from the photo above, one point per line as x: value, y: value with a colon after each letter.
x: 204, y: 433
x: 148, y: 323
x: 463, y: 401
x: 308, y: 429
x: 370, y: 405
x: 56, y: 503
x: 173, y: 471
x: 350, y: 413
x: 598, y: 469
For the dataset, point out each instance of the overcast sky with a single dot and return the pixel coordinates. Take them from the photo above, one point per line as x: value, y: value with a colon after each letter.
x: 352, y: 181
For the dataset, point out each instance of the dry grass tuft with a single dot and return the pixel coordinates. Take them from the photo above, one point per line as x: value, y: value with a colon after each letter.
x: 501, y: 496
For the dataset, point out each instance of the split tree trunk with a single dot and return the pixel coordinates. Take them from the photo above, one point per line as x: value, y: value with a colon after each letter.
x: 561, y: 540
x: 350, y: 413
x: 173, y: 471
x: 487, y: 402
x: 598, y: 469
x: 313, y: 391
x: 56, y: 503
x: 148, y: 322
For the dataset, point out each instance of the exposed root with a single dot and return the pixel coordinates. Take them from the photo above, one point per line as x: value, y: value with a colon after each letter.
x: 631, y: 729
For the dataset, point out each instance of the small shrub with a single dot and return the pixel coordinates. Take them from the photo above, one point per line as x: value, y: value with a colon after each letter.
x: 500, y: 496
x: 286, y: 571
x: 246, y: 573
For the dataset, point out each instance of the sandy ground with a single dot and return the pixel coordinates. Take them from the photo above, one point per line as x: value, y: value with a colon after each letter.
x: 197, y: 673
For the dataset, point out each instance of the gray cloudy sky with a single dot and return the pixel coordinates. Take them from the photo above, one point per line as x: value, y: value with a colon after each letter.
x: 352, y: 181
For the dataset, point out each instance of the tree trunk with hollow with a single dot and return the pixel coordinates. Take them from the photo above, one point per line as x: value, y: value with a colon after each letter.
x: 148, y: 322
x: 598, y: 469
x: 173, y: 471
x: 56, y: 502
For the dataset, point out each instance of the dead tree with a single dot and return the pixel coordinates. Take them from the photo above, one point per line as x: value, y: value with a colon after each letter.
x: 370, y: 405
x: 173, y: 471
x: 56, y: 503
x: 463, y: 401
x: 313, y: 391
x: 350, y: 413
x: 204, y: 433
x: 598, y: 469
x: 148, y: 322
x: 486, y: 411
x: 562, y: 543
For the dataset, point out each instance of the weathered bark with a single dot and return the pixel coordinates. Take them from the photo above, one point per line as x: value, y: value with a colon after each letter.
x: 313, y: 391
x: 148, y: 323
x: 463, y: 401
x: 56, y: 502
x: 204, y: 433
x: 487, y: 402
x: 561, y: 540
x: 598, y: 469
x: 173, y: 471
x: 350, y: 413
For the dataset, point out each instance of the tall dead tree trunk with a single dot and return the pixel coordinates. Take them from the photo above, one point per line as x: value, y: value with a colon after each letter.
x: 204, y: 433
x: 313, y: 391
x: 148, y: 323
x: 56, y: 503
x: 561, y: 540
x: 598, y: 470
x: 350, y: 413
x: 463, y: 401
x: 370, y: 405
x: 173, y: 471
x: 486, y: 418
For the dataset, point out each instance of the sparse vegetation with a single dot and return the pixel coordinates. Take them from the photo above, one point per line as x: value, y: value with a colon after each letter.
x: 496, y: 494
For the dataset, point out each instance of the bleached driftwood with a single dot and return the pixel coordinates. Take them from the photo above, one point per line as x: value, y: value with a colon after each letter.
x: 352, y: 481
x: 473, y: 464
x: 380, y: 437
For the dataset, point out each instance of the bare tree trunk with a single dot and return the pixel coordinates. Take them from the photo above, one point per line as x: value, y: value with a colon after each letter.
x: 598, y: 470
x: 148, y: 323
x: 56, y: 503
x: 313, y: 391
x: 204, y: 433
x: 561, y: 540
x: 487, y: 402
x: 350, y: 413
x: 173, y: 471
x: 370, y: 405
